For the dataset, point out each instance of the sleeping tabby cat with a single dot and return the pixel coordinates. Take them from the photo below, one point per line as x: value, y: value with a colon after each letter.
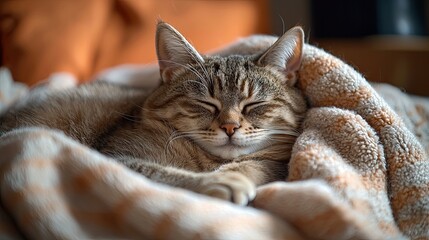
x: 217, y: 125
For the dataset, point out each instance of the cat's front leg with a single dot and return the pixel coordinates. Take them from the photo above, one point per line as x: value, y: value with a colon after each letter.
x: 237, y: 181
x: 258, y: 171
x: 224, y: 184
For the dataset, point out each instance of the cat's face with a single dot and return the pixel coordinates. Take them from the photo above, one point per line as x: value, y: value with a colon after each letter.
x: 230, y: 106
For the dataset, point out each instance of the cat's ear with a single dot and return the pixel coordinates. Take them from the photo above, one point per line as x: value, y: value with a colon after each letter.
x: 173, y: 50
x: 286, y: 54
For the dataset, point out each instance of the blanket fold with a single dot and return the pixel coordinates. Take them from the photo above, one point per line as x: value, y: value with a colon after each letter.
x: 56, y: 188
x: 401, y: 162
x: 359, y: 170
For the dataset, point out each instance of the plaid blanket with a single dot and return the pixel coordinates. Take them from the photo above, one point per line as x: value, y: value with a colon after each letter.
x: 359, y: 170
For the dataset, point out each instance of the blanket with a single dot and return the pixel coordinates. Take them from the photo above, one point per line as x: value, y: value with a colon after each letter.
x: 359, y: 170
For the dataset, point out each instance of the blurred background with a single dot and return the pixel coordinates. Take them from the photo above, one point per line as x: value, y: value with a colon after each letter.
x: 386, y: 40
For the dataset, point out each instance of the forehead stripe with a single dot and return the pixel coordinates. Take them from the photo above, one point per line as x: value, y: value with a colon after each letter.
x: 244, y: 87
x: 237, y: 78
x: 211, y: 88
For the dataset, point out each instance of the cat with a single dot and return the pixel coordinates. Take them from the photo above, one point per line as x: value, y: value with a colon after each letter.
x: 218, y: 126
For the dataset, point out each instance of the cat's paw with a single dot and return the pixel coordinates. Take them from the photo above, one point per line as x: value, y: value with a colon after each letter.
x: 230, y: 186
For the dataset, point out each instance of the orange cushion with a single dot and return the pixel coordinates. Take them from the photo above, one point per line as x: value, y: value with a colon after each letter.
x: 40, y: 37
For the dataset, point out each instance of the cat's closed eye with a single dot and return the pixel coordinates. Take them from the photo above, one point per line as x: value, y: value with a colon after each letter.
x: 211, y: 106
x: 252, y: 105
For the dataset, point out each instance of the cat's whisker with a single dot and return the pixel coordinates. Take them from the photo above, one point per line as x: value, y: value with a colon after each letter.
x: 188, y: 67
x: 283, y: 136
x: 287, y: 136
x: 207, y: 79
x: 287, y: 129
x: 283, y: 132
x: 144, y: 109
x: 173, y: 136
x: 199, y: 63
x: 128, y: 117
x: 204, y: 70
x: 176, y: 135
x: 281, y: 141
x: 208, y: 76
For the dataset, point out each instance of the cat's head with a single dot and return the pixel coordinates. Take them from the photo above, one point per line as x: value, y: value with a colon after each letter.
x: 230, y: 106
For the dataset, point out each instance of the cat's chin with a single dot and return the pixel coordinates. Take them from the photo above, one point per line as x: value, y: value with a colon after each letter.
x: 231, y: 151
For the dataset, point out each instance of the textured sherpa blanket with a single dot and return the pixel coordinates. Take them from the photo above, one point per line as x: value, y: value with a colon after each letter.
x: 359, y: 170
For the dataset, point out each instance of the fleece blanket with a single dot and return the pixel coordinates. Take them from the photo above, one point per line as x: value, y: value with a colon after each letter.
x: 359, y: 170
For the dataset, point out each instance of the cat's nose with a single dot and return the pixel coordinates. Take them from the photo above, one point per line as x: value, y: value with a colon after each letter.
x: 230, y: 128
